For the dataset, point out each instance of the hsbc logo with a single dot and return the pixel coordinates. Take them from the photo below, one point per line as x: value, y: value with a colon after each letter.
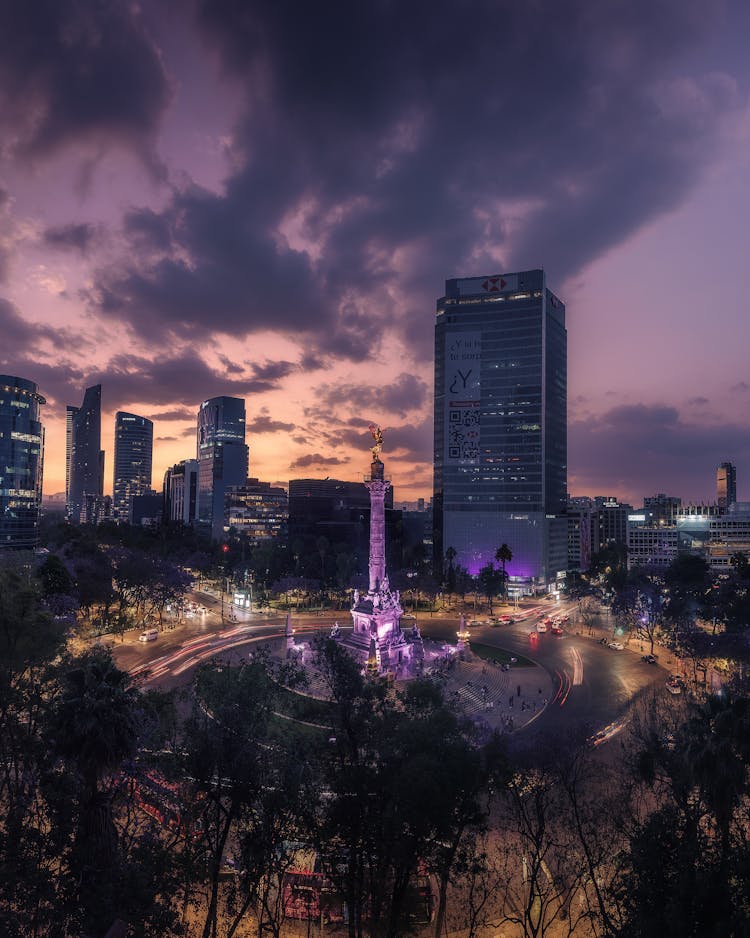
x: 478, y: 286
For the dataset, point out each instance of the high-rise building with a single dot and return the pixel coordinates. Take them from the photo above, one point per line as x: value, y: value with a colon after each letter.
x: 613, y: 521
x: 181, y: 492
x: 500, y: 425
x: 726, y: 485
x: 134, y: 442
x: 86, y: 473
x: 21, y: 463
x: 70, y: 412
x: 222, y: 457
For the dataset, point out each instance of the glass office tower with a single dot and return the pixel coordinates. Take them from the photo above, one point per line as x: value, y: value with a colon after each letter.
x: 134, y: 443
x: 86, y: 467
x: 726, y: 485
x: 21, y: 463
x: 222, y: 457
x: 501, y: 425
x: 70, y: 415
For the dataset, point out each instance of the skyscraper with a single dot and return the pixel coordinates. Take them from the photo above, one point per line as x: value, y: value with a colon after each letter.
x: 134, y: 441
x: 70, y: 412
x: 86, y: 475
x: 726, y: 485
x: 222, y: 457
x: 501, y: 425
x: 180, y: 491
x: 21, y: 463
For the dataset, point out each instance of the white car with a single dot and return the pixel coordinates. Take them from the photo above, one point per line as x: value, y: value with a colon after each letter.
x: 541, y: 626
x: 618, y: 646
x: 150, y: 635
x: 673, y: 688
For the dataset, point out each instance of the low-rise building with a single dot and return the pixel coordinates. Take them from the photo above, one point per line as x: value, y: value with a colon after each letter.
x: 256, y: 510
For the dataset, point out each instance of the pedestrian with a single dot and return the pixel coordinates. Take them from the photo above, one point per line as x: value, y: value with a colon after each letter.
x: 540, y: 690
x: 518, y: 690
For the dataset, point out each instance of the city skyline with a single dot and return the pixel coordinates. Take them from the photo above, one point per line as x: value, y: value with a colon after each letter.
x: 246, y: 222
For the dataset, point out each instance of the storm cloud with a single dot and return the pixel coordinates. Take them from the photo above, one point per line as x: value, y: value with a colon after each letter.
x: 78, y: 71
x: 383, y: 148
x: 637, y: 450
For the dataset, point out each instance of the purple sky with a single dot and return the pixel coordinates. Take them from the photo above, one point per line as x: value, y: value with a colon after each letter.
x: 264, y: 198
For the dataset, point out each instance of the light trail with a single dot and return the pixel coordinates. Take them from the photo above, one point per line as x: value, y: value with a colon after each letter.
x: 577, y: 666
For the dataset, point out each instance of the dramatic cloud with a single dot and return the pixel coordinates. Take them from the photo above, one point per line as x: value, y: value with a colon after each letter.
x: 178, y: 413
x: 162, y: 381
x: 315, y: 460
x: 77, y: 237
x: 405, y: 393
x: 365, y: 181
x: 315, y: 172
x: 263, y: 423
x: 272, y: 371
x: 636, y: 450
x: 74, y: 71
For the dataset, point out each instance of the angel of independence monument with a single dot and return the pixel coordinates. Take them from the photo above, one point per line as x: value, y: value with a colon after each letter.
x: 376, y: 639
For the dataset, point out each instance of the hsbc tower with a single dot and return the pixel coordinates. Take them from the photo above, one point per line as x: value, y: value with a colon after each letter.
x: 501, y: 426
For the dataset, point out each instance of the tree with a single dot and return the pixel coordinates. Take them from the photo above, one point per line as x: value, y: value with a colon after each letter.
x: 684, y: 869
x: 490, y: 581
x: 54, y: 577
x: 687, y: 583
x: 740, y: 564
x: 504, y: 555
x: 322, y: 544
x: 450, y: 572
x: 242, y: 779
x: 465, y: 582
x: 94, y: 725
x: 403, y: 784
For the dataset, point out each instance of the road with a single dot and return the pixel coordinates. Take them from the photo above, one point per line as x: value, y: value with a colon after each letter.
x: 592, y: 684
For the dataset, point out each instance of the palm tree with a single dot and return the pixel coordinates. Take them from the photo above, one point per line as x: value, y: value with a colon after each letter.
x: 504, y: 555
x: 95, y: 725
x: 322, y: 544
x: 450, y: 573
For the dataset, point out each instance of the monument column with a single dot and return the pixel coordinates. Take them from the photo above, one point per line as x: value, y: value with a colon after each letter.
x: 377, y: 487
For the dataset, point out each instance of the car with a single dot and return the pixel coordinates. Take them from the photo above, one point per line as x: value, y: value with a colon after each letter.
x: 673, y: 688
x: 617, y: 646
x: 649, y: 659
x: 506, y: 620
x: 541, y: 626
x: 533, y: 636
x: 150, y: 635
x: 557, y: 630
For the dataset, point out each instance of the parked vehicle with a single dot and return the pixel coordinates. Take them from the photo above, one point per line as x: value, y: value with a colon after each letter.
x: 617, y: 646
x: 150, y: 635
x: 649, y: 659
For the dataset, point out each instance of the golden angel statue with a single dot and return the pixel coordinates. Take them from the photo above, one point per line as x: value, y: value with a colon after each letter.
x: 377, y: 435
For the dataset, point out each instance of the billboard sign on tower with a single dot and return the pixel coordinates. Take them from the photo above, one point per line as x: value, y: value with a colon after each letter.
x: 463, y: 358
x: 498, y: 283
